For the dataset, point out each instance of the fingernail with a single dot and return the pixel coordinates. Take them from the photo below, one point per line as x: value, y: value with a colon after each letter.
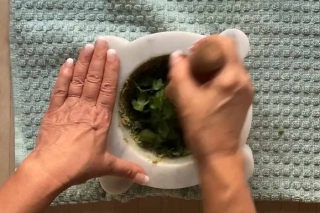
x: 101, y: 41
x: 88, y: 49
x: 141, y: 179
x: 111, y: 55
x: 175, y: 57
x: 69, y: 63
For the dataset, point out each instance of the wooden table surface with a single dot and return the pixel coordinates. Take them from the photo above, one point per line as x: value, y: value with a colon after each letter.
x: 145, y: 205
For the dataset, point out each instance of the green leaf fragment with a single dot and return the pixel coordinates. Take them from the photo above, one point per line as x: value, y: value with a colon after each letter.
x: 140, y: 103
x: 142, y: 97
x: 156, y: 103
x: 160, y: 94
x: 168, y: 109
x: 157, y: 84
x: 142, y: 90
x: 147, y: 135
x: 157, y: 119
x: 163, y: 129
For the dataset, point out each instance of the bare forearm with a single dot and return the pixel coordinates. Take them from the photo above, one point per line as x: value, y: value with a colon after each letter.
x: 29, y: 190
x: 224, y: 186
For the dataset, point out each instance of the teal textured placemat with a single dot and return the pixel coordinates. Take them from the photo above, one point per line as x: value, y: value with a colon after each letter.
x: 284, y: 63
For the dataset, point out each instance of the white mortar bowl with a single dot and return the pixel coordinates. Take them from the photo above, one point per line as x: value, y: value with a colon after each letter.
x: 170, y: 173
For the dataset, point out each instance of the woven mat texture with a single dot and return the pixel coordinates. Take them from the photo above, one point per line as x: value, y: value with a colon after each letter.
x: 283, y: 62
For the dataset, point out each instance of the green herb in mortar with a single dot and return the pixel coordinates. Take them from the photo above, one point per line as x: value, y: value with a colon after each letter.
x: 149, y: 115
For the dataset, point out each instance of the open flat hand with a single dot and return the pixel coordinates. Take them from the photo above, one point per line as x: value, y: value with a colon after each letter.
x: 72, y: 141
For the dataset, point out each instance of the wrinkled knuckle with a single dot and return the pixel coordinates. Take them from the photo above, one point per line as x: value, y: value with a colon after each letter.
x: 84, y: 63
x: 77, y: 81
x: 108, y: 90
x: 108, y: 87
x: 98, y: 56
x: 60, y: 92
x: 92, y: 78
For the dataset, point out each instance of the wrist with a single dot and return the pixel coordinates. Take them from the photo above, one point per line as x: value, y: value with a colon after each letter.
x: 207, y: 149
x: 222, y: 180
x: 223, y: 163
x: 37, y: 176
x: 29, y: 189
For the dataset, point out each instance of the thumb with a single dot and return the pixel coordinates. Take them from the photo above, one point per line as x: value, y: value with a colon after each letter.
x: 180, y: 72
x: 126, y: 169
x: 180, y: 77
